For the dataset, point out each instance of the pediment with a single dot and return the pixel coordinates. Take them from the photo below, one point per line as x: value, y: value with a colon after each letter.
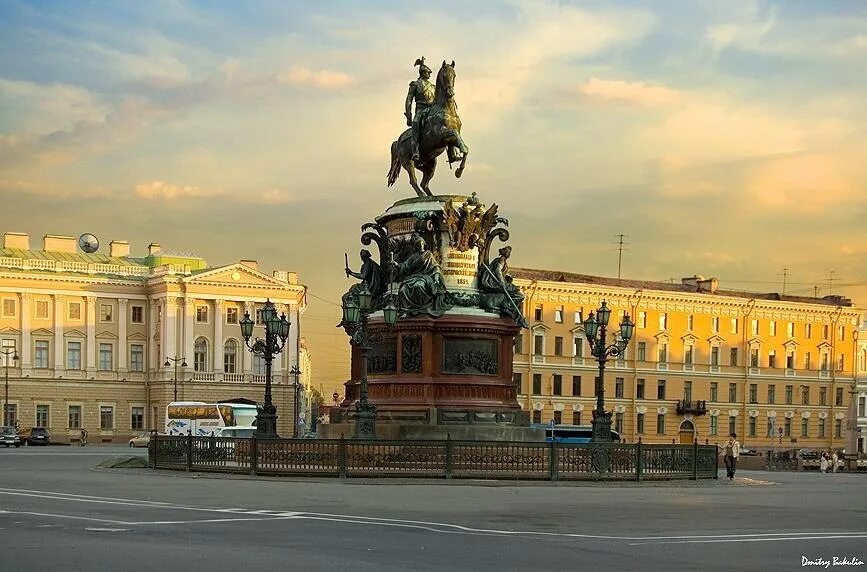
x: 715, y: 339
x: 756, y: 341
x: 578, y: 330
x: 791, y: 343
x: 137, y: 336
x: 74, y: 334
x: 106, y: 336
x: 235, y: 275
x: 824, y: 346
x: 8, y: 330
x: 539, y: 326
x: 689, y: 339
x: 42, y: 332
x: 662, y: 337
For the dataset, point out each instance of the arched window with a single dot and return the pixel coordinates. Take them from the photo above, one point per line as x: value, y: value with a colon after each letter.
x: 258, y: 364
x: 230, y: 350
x: 200, y: 355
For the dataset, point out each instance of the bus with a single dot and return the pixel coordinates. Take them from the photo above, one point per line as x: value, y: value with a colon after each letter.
x: 204, y: 419
x: 571, y: 433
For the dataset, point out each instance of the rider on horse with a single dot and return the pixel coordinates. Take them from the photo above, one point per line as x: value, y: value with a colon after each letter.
x: 422, y: 92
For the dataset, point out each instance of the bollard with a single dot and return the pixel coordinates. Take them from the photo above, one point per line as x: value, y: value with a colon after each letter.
x: 694, y: 460
x: 254, y: 454
x: 341, y: 457
x: 155, y: 448
x: 638, y: 467
x: 552, y: 468
x: 189, y: 451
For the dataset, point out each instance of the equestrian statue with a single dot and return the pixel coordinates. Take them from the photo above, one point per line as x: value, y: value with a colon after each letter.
x: 433, y: 128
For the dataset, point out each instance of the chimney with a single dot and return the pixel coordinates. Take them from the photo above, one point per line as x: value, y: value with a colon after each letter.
x: 59, y: 243
x: 16, y: 240
x: 692, y: 281
x: 279, y: 275
x: 250, y: 264
x: 292, y: 277
x: 153, y: 248
x: 710, y: 285
x: 118, y: 248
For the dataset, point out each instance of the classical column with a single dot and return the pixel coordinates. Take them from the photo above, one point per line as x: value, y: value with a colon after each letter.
x: 26, y: 343
x: 246, y: 356
x: 59, y: 349
x: 218, y: 339
x: 188, y: 349
x: 122, y: 345
x: 91, y: 335
x: 170, y: 327
x: 155, y: 360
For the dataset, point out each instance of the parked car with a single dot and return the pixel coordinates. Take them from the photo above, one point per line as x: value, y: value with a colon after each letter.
x: 808, y: 454
x: 38, y: 436
x: 749, y: 452
x: 8, y: 437
x: 142, y: 440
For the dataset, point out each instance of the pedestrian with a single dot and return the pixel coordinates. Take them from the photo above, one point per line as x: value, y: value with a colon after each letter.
x: 823, y: 464
x: 834, y: 458
x: 731, y: 451
x: 83, y: 439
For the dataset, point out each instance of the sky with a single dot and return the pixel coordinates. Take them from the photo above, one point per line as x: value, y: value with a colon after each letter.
x: 721, y: 138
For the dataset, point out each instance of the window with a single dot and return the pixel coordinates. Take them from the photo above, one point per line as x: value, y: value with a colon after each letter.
x: 733, y: 356
x: 687, y: 355
x: 41, y: 309
x: 714, y: 325
x: 838, y: 397
x: 576, y: 385
x: 558, y: 345
x: 11, y: 416
x: 660, y: 424
x: 576, y: 418
x: 823, y: 396
x: 618, y: 388
x: 230, y: 350
x: 732, y: 422
x: 790, y: 330
x: 73, y: 311
x: 825, y: 331
x: 537, y: 384
x: 733, y: 392
x: 663, y: 321
x: 660, y: 389
x: 752, y: 426
x: 807, y: 360
x: 8, y: 352
x: 106, y: 360
x: 690, y: 322
x: 74, y: 416
x: 558, y: 417
x: 787, y: 427
x: 754, y: 393
x: 754, y: 327
x: 579, y: 317
x: 106, y: 417
x: 519, y: 343
x: 841, y: 333
x: 772, y: 394
x: 9, y: 307
x: 558, y: 314
x: 772, y: 328
x: 73, y: 355
x: 136, y: 418
x: 687, y: 391
x: 42, y: 416
x: 639, y: 421
x: 538, y: 345
x: 105, y: 311
x: 714, y: 425
x: 772, y: 358
x: 639, y: 389
x: 714, y: 391
x: 663, y: 353
x: 136, y: 357
x: 537, y: 416
x: 823, y: 366
x: 862, y: 407
x: 642, y: 319
x: 40, y: 358
x: 790, y: 360
x: 518, y: 381
x: 772, y: 430
x: 754, y: 357
x: 808, y: 330
x: 821, y: 428
x: 734, y: 329
x: 137, y: 315
x: 618, y: 422
x: 841, y: 362
x: 202, y: 314
x: 200, y: 355
x: 788, y: 395
x: 231, y: 315
x: 579, y: 347
x: 641, y: 351
x: 714, y: 355
x: 805, y: 395
x: 537, y: 313
x: 557, y: 382
x: 803, y: 427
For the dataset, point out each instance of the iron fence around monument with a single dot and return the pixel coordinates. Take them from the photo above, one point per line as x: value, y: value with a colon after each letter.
x: 444, y: 459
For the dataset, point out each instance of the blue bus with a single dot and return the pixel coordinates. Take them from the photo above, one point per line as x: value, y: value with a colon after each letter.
x: 571, y: 433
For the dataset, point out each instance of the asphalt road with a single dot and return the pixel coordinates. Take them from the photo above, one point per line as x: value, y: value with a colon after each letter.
x: 59, y: 513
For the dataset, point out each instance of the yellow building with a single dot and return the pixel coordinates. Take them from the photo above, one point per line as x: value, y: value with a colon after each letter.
x: 703, y: 362
x: 96, y: 335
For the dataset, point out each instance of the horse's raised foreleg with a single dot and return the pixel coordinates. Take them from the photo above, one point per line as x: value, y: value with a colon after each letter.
x: 459, y: 142
x: 428, y: 173
x: 460, y: 170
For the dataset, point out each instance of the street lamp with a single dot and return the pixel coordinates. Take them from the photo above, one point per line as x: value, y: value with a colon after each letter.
x: 296, y: 372
x: 175, y: 360
x: 355, y: 320
x: 276, y: 333
x: 6, y: 354
x: 595, y: 328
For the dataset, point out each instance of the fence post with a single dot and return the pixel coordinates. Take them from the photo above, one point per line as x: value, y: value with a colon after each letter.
x: 638, y: 467
x: 552, y: 468
x: 254, y: 454
x: 341, y: 457
x: 694, y: 460
x: 153, y: 443
x: 448, y: 455
x: 189, y: 451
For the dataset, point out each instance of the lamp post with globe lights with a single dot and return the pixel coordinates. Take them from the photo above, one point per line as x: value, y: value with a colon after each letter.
x: 6, y: 354
x: 276, y: 334
x: 595, y: 328
x: 175, y: 360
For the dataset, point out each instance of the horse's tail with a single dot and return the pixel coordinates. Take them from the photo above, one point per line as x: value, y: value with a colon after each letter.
x: 394, y: 171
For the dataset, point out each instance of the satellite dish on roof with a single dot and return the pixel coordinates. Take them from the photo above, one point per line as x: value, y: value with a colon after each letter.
x: 88, y: 243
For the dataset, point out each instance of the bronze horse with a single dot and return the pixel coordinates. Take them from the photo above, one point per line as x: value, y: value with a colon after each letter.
x: 440, y: 130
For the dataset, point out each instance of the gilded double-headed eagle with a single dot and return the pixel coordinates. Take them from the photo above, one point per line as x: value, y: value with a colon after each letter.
x: 469, y: 223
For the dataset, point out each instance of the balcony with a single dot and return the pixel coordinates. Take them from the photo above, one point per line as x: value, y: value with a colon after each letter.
x: 693, y: 407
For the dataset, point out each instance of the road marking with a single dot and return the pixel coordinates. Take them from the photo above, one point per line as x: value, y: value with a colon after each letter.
x: 95, y: 529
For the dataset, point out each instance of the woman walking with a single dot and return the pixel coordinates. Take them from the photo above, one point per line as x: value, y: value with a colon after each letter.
x: 731, y: 450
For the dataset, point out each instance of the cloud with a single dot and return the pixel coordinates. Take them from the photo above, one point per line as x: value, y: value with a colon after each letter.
x: 160, y: 190
x: 634, y: 93
x: 320, y: 79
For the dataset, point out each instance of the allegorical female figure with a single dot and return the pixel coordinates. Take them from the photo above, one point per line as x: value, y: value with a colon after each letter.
x: 498, y: 292
x: 422, y: 288
x: 370, y: 274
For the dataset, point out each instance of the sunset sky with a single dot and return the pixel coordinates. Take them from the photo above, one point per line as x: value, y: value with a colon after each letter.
x: 722, y: 138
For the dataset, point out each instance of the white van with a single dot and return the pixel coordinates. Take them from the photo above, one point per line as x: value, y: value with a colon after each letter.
x: 236, y: 432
